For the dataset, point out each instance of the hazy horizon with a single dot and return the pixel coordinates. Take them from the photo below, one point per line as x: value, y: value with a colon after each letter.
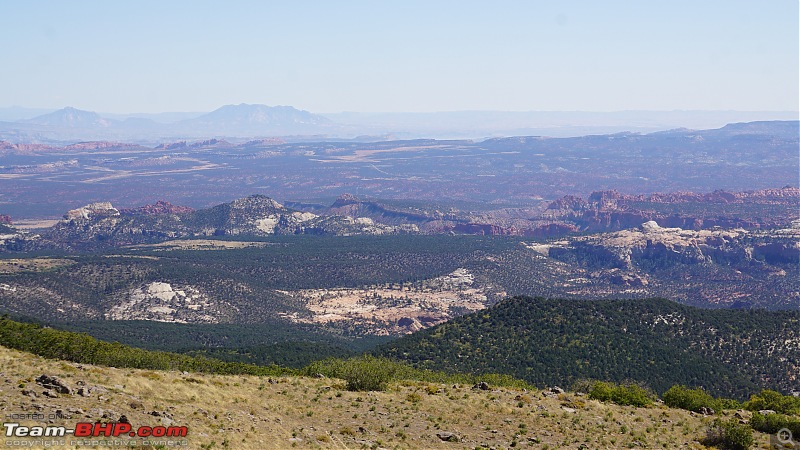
x: 45, y: 110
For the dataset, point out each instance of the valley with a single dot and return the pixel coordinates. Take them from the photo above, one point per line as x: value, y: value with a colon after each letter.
x: 44, y: 180
x: 674, y: 264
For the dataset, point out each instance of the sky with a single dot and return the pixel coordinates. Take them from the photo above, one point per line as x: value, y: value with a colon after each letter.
x: 401, y: 56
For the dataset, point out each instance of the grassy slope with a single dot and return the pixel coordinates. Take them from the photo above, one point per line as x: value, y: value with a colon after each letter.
x: 250, y: 412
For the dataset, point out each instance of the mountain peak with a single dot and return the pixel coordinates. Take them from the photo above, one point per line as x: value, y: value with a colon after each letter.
x: 344, y: 200
x: 258, y: 120
x: 72, y: 118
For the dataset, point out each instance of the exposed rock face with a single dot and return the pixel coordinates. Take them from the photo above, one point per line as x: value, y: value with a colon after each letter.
x: 611, y: 210
x: 344, y: 200
x: 569, y: 202
x: 263, y: 142
x: 160, y: 207
x: 183, y: 145
x: 551, y: 230
x: 662, y: 246
x: 650, y: 226
x: 482, y: 229
x: 92, y: 211
x: 257, y: 214
x: 397, y: 309
x: 777, y: 252
x: 97, y: 145
x: 12, y: 239
x: 626, y: 279
x: 23, y: 148
x: 100, y: 224
x: 159, y: 302
x: 349, y: 205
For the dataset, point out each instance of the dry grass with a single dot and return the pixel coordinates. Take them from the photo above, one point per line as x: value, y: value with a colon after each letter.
x: 246, y: 412
x: 8, y: 266
x: 200, y: 244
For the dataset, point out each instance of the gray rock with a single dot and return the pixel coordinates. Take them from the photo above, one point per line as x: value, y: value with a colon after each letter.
x: 448, y: 436
x: 706, y: 411
x: 136, y: 404
x: 484, y: 386
x: 29, y: 393
x: 54, y: 383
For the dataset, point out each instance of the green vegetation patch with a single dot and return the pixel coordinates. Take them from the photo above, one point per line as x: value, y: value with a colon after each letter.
x: 629, y: 394
x: 82, y: 348
x: 655, y: 342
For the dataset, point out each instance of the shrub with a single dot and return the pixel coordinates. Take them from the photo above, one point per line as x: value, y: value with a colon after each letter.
x: 679, y: 396
x: 601, y: 391
x: 767, y: 399
x: 729, y: 435
x: 772, y: 423
x: 368, y: 373
x: 728, y: 403
x: 625, y: 394
x: 431, y: 389
x: 413, y: 397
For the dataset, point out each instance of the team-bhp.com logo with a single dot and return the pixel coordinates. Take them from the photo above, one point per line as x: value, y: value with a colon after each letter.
x: 88, y: 429
x: 94, y: 434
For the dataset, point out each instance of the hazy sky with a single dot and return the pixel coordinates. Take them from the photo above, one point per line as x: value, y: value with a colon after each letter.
x: 405, y: 55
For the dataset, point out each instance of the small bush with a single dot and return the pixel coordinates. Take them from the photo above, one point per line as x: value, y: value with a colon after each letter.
x: 368, y: 373
x: 772, y: 423
x: 624, y: 394
x: 728, y: 403
x: 413, y: 397
x: 767, y: 399
x: 679, y: 396
x: 729, y: 435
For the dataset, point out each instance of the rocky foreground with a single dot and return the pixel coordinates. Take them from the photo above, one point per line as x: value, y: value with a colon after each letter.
x: 262, y: 413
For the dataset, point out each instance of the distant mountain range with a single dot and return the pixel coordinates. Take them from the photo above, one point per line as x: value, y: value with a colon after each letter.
x: 247, y: 121
x: 71, y: 118
x: 70, y: 124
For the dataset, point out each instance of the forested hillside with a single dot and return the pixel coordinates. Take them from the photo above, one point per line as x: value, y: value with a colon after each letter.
x: 652, y: 341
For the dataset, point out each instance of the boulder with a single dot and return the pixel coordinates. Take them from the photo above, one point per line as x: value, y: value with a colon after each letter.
x: 448, y: 436
x: 54, y: 383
